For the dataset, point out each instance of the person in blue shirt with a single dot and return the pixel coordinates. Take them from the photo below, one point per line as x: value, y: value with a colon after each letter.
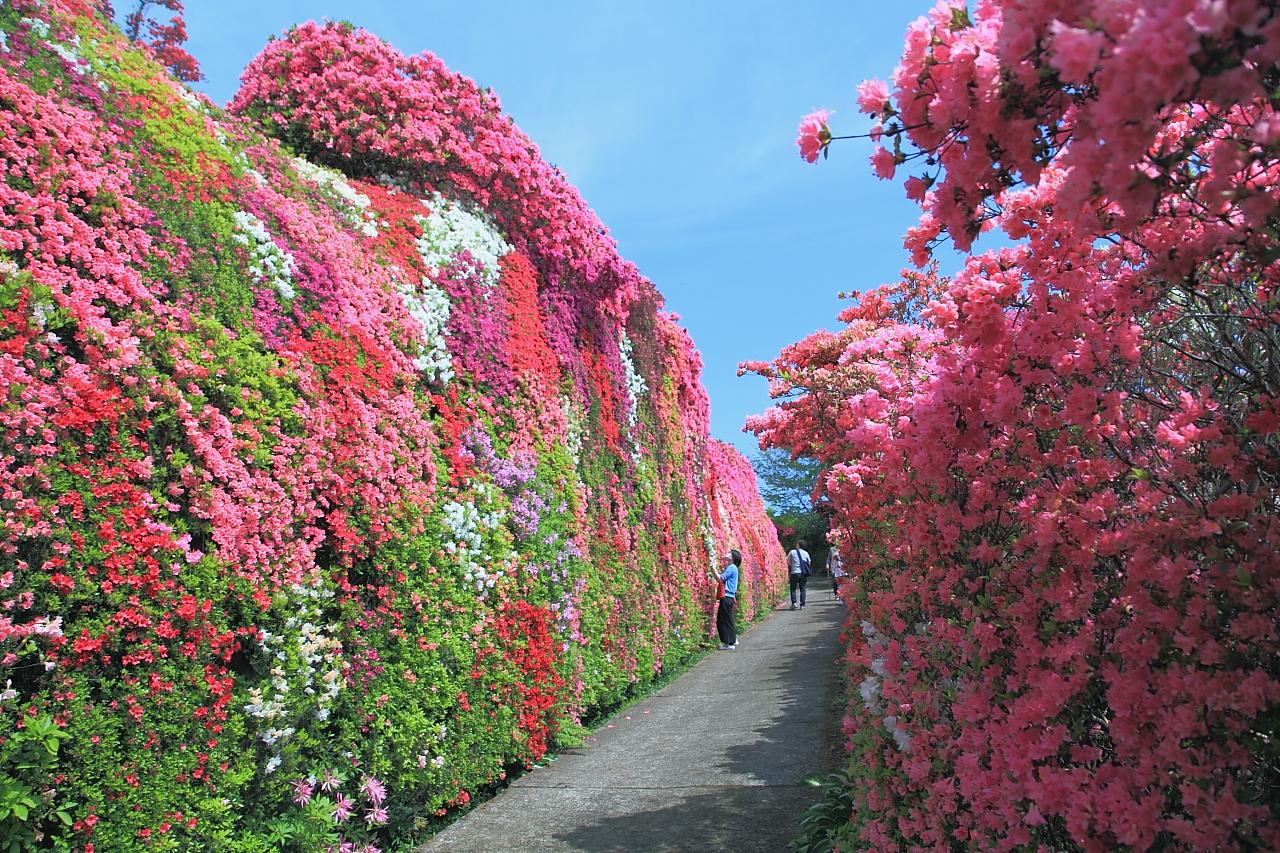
x: 725, y: 625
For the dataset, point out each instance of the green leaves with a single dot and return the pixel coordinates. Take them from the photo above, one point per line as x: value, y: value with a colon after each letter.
x: 16, y: 799
x: 960, y: 19
x: 822, y: 822
x: 28, y: 802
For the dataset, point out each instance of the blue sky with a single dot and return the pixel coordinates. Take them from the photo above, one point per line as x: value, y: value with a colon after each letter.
x: 676, y: 121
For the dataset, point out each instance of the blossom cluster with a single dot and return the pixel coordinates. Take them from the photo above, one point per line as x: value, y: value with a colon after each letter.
x: 450, y: 229
x: 304, y: 657
x: 328, y: 88
x: 635, y: 383
x: 429, y: 306
x: 321, y: 497
x: 871, y: 687
x: 1054, y: 475
x: 268, y: 263
x: 359, y: 214
x: 737, y: 520
x: 467, y: 524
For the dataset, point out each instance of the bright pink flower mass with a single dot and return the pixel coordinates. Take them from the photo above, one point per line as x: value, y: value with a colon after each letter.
x: 1056, y: 474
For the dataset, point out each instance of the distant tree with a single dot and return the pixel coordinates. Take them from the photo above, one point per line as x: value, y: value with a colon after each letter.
x: 786, y: 484
x: 807, y: 527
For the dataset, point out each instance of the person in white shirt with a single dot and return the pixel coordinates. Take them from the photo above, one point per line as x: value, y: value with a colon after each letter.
x: 798, y: 571
x: 835, y: 567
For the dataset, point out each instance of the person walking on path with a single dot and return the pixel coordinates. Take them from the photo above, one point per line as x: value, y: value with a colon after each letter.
x: 835, y: 567
x: 798, y: 570
x: 725, y: 625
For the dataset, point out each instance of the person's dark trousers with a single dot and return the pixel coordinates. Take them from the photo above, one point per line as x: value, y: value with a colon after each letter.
x: 799, y: 582
x: 725, y: 626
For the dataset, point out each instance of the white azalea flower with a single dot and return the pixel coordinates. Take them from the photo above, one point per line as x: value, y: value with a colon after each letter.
x: 268, y: 263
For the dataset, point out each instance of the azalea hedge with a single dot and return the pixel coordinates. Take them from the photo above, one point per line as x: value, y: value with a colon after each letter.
x: 345, y: 463
x: 1055, y: 476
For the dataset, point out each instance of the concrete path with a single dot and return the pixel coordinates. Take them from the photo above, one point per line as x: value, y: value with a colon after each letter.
x: 715, y: 761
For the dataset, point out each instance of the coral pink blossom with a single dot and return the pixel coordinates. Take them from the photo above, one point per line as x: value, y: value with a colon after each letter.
x: 883, y: 163
x: 873, y: 96
x: 1076, y: 51
x: 916, y: 188
x: 814, y: 135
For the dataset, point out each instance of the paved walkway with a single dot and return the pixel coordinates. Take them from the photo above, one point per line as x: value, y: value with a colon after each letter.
x: 715, y: 761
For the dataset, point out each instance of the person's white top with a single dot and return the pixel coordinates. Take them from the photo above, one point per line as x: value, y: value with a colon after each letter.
x: 793, y: 560
x: 835, y: 564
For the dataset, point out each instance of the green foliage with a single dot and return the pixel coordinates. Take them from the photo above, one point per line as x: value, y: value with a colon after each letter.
x: 312, y: 827
x: 835, y: 821
x: 570, y: 735
x: 788, y: 485
x: 828, y: 819
x: 808, y: 527
x: 31, y: 806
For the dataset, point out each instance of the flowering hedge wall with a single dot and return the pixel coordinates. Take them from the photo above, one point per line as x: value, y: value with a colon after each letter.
x: 343, y: 464
x: 1056, y: 476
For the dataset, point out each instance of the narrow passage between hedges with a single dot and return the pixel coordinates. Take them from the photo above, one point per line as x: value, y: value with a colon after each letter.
x: 716, y: 760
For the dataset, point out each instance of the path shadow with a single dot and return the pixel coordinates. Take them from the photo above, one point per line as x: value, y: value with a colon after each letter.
x: 799, y: 741
x: 739, y: 819
x: 802, y: 740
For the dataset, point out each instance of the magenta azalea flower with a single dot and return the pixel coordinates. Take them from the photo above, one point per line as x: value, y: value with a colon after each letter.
x: 342, y: 808
x: 814, y: 135
x: 302, y: 791
x: 375, y: 816
x: 374, y: 790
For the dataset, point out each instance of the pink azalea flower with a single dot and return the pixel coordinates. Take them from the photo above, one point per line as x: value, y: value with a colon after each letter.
x: 374, y: 790
x: 873, y: 96
x: 342, y: 808
x: 814, y: 135
x: 302, y: 791
x: 883, y: 162
x: 1076, y: 51
x: 916, y: 188
x: 329, y: 782
x: 375, y: 816
x: 1267, y: 129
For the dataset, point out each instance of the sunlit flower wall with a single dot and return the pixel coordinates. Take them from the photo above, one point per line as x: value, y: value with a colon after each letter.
x: 346, y: 465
